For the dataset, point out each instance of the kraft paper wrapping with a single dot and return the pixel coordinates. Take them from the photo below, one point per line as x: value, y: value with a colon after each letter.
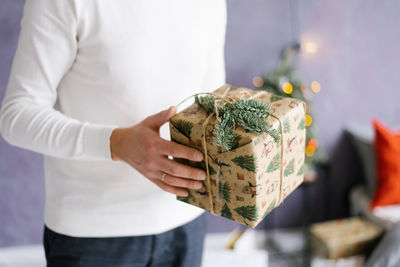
x: 249, y: 181
x: 344, y: 237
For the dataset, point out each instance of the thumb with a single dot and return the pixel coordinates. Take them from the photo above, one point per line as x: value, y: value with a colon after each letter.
x: 157, y: 120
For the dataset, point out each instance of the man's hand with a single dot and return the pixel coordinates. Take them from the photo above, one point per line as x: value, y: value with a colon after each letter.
x: 142, y: 147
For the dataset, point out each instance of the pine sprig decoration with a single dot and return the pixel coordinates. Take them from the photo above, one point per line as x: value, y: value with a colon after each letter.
x: 206, y: 102
x: 249, y: 121
x: 248, y: 113
x: 274, y: 133
x: 224, y: 131
x: 257, y: 108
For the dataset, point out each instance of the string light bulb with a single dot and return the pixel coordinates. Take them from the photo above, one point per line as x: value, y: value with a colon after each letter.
x: 315, y: 87
x: 258, y: 81
x: 308, y: 120
x: 310, y: 150
x: 314, y: 143
x: 287, y: 87
x: 310, y: 47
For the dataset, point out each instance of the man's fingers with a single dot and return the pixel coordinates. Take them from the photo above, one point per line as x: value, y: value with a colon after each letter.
x: 171, y: 189
x: 181, y: 182
x: 157, y: 120
x: 180, y: 170
x: 180, y: 151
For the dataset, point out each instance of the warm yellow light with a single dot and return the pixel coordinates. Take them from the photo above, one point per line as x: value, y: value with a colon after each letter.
x: 308, y: 120
x: 287, y: 87
x: 314, y: 143
x: 258, y: 81
x: 315, y: 87
x: 310, y: 47
x: 310, y: 150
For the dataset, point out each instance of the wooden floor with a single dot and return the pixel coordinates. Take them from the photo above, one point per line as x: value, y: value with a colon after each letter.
x: 274, y: 248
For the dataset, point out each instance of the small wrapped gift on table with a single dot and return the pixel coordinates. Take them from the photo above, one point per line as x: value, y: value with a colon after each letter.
x: 343, y: 238
x: 254, y: 147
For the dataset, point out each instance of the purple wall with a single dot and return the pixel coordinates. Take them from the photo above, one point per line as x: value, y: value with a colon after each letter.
x: 21, y: 172
x: 356, y: 64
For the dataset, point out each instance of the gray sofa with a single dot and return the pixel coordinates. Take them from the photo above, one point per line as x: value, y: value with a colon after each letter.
x: 387, y: 252
x: 362, y: 139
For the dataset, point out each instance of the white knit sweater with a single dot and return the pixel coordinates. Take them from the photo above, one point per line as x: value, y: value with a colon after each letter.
x: 83, y: 68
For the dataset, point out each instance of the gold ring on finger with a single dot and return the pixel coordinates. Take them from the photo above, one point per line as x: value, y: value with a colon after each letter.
x: 163, y: 176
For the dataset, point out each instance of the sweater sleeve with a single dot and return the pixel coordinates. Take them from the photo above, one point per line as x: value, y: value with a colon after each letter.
x: 46, y: 51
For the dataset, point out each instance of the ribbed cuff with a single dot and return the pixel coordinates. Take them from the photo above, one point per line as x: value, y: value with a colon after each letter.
x: 97, y: 141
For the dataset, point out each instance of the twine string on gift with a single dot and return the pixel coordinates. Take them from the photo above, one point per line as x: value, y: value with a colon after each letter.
x: 204, y: 126
x: 223, y: 97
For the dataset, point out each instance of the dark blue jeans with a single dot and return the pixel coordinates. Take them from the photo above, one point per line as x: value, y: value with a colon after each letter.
x: 181, y: 246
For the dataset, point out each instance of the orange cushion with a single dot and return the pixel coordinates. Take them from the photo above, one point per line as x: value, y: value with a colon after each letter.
x: 387, y: 150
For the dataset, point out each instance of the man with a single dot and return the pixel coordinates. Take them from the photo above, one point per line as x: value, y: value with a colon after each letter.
x: 87, y: 75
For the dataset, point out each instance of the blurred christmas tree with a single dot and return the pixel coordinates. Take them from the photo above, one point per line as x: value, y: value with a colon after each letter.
x: 283, y: 83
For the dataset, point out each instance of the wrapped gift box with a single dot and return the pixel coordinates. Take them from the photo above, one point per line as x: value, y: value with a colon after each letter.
x: 245, y: 183
x: 343, y: 238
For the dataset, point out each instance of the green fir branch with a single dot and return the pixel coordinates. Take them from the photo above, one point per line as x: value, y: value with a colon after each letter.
x: 274, y: 133
x: 224, y: 131
x: 206, y: 102
x: 257, y: 108
x: 248, y: 113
